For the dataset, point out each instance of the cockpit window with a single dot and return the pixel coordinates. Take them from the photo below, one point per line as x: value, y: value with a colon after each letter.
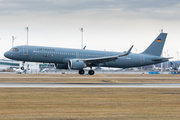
x: 14, y: 49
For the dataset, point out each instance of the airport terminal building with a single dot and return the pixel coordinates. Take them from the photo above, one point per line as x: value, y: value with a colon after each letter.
x: 11, y: 65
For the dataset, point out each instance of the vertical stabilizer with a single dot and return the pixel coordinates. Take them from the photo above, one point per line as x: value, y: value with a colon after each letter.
x: 157, y: 45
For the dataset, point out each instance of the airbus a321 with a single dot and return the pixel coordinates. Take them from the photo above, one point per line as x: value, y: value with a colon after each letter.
x: 78, y: 59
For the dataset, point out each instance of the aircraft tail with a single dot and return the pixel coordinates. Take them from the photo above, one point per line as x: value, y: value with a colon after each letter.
x: 157, y: 45
x: 174, y: 66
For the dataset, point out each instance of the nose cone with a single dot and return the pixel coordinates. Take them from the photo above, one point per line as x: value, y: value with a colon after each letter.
x: 6, y: 54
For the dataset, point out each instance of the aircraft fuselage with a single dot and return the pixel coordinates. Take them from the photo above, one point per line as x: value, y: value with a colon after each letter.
x: 63, y: 55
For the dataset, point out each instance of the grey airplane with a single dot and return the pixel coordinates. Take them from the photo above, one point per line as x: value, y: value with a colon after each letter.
x: 78, y: 59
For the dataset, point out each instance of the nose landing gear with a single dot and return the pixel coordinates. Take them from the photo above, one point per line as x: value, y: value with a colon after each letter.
x: 22, y: 68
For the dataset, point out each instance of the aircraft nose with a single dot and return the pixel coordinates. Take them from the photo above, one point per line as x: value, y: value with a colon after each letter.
x: 6, y: 54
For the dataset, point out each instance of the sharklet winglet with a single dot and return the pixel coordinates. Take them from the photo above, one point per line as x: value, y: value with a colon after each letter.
x: 127, y: 53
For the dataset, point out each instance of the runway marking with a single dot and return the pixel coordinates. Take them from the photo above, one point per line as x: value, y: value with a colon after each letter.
x: 100, y: 77
x: 89, y: 85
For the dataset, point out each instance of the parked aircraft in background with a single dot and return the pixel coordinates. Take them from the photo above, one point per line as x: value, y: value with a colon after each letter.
x: 175, y: 66
x: 110, y: 69
x: 18, y: 71
x: 78, y: 59
x: 156, y: 68
x: 104, y: 68
x: 134, y: 69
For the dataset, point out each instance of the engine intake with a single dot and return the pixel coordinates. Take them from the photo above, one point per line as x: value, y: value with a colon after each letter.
x: 76, y: 65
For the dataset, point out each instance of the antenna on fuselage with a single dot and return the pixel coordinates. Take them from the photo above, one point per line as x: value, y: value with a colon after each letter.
x: 84, y: 48
x: 13, y: 38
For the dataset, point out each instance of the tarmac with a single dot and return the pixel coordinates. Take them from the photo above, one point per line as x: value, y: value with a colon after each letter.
x: 89, y: 85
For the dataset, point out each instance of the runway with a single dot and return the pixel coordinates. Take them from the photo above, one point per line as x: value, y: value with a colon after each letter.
x: 89, y: 85
x: 84, y: 77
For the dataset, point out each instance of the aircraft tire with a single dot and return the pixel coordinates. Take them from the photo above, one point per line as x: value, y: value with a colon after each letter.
x: 22, y: 68
x: 81, y: 72
x: 91, y: 72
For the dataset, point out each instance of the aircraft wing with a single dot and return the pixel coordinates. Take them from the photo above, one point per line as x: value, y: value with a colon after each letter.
x: 96, y: 61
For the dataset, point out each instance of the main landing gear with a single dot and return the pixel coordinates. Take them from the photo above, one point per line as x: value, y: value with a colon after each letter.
x: 81, y: 72
x: 90, y: 72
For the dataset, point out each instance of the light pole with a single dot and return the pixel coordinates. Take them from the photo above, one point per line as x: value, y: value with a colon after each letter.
x: 27, y: 29
x: 81, y: 29
x: 13, y: 38
x: 178, y: 57
x: 165, y: 63
x: 167, y: 56
x: 162, y: 65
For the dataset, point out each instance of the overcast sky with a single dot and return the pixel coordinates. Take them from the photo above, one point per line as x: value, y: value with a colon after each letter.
x: 113, y: 25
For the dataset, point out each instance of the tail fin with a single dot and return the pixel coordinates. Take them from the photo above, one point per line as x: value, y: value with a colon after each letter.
x: 157, y: 45
x: 174, y: 66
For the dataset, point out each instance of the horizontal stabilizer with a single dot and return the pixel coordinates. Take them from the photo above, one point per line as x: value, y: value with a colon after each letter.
x: 162, y: 59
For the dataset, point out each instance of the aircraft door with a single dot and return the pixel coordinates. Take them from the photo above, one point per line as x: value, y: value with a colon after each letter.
x: 25, y: 50
x: 142, y: 59
x: 77, y: 54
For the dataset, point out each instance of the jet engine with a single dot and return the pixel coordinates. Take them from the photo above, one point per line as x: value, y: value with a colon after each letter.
x: 61, y: 66
x: 76, y: 65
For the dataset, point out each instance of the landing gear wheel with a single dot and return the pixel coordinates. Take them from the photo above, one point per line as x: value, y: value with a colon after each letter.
x: 91, y: 72
x: 22, y: 68
x: 81, y: 72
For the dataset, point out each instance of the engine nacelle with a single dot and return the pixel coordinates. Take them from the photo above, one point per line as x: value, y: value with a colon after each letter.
x: 76, y: 65
x: 61, y: 66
